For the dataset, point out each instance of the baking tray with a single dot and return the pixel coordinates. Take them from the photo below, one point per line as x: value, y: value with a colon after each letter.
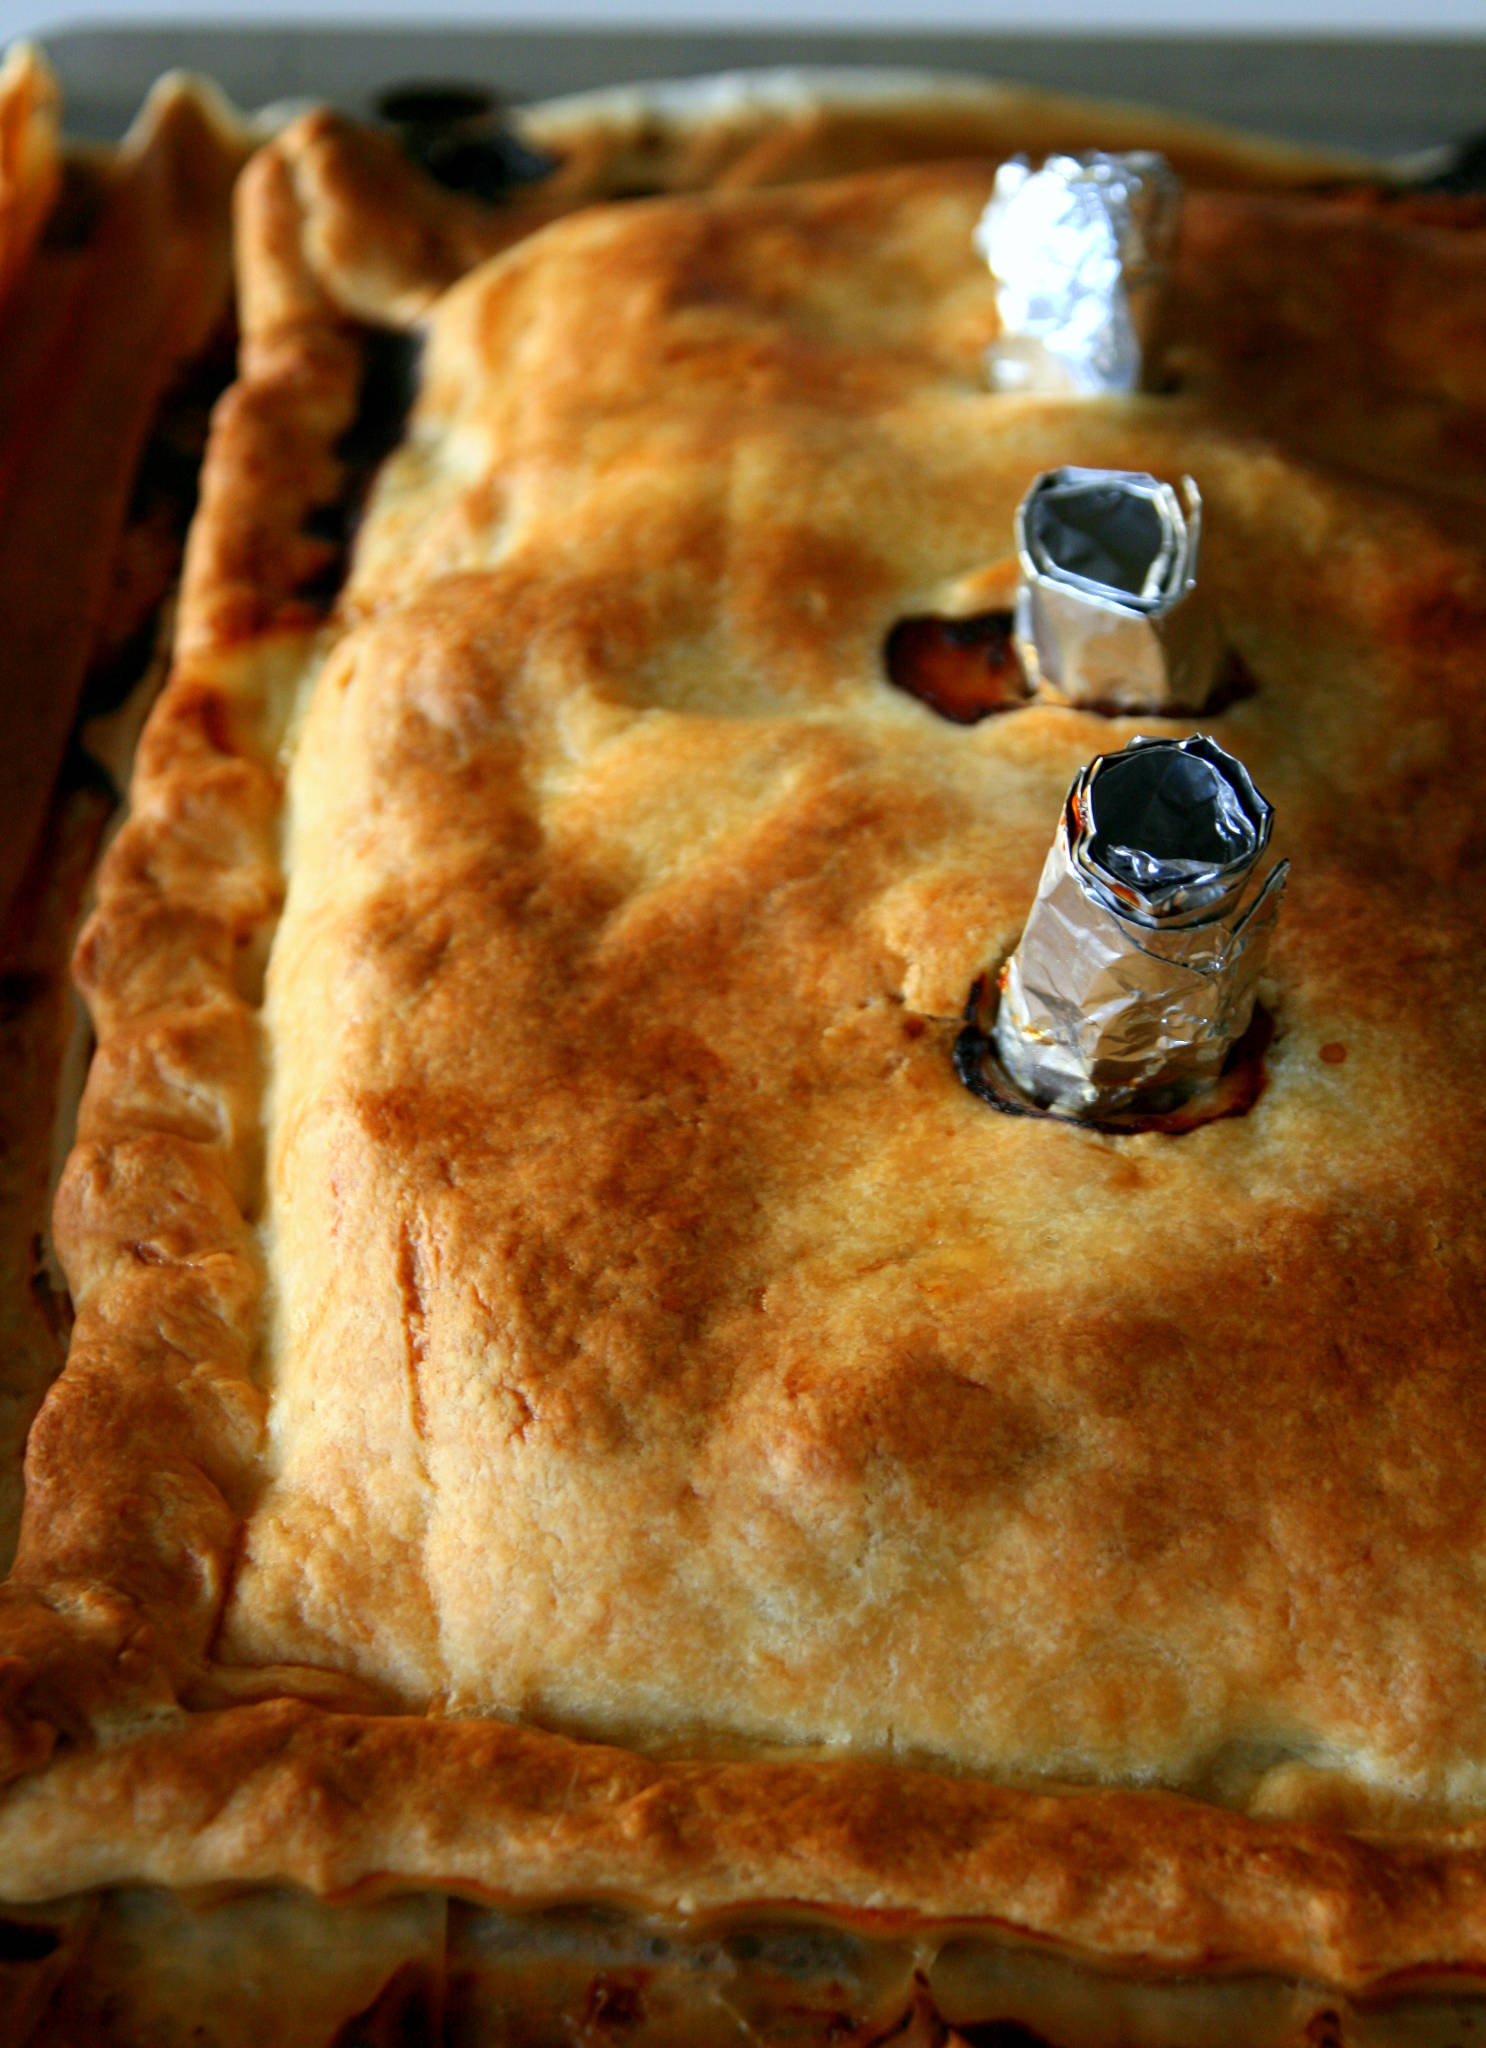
x: 1388, y: 97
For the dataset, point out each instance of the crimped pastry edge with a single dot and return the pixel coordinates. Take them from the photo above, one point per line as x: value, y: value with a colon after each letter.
x: 357, y: 1805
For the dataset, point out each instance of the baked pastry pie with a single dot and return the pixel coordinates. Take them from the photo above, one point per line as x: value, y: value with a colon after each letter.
x: 573, y: 1404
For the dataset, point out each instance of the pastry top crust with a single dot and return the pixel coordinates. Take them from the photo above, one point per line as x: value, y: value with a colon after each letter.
x: 666, y: 1346
x: 660, y: 1344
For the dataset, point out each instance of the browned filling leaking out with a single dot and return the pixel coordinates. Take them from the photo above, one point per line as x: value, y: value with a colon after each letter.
x: 147, y: 559
x: 435, y: 103
x: 1235, y: 681
x: 408, y: 2009
x: 456, y: 133
x: 75, y: 211
x: 964, y: 669
x: 1234, y: 1093
x: 21, y: 1942
x: 388, y: 382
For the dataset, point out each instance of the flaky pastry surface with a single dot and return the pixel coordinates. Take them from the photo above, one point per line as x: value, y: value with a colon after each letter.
x: 665, y: 1343
x: 618, y: 1318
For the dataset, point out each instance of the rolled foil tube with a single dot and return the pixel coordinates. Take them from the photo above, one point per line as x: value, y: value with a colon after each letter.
x: 1107, y: 609
x: 1079, y: 250
x: 1137, y: 968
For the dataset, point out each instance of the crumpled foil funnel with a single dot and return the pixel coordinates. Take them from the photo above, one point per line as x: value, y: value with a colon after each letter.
x: 1079, y: 250
x: 1137, y: 968
x: 1107, y: 611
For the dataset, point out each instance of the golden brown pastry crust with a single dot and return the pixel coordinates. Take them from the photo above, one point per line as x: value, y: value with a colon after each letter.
x: 1342, y: 1474
x: 357, y: 1805
x: 1409, y: 403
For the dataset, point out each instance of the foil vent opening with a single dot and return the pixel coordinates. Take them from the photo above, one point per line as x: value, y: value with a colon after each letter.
x: 1108, y: 615
x: 1079, y: 250
x: 1137, y: 971
x: 1121, y: 535
x: 1168, y: 826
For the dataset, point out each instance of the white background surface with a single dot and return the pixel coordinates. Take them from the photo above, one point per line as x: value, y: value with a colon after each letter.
x: 1374, y: 18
